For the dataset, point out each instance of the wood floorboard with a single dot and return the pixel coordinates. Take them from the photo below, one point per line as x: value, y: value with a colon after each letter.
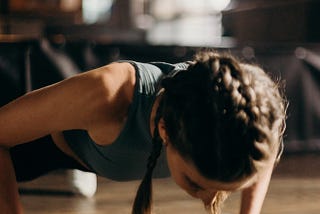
x: 294, y: 189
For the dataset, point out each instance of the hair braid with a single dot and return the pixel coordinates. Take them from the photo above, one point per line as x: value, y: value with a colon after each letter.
x: 143, y: 200
x: 247, y: 103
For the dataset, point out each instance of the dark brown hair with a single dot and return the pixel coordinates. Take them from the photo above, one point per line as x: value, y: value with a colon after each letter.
x: 143, y: 201
x: 225, y: 116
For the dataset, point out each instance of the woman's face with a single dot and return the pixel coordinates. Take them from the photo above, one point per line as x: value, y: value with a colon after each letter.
x: 189, y: 179
x: 186, y: 175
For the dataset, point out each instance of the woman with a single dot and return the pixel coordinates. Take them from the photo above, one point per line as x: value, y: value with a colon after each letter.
x: 220, y: 121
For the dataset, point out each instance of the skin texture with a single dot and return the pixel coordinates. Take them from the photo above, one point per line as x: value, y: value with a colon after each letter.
x: 97, y: 101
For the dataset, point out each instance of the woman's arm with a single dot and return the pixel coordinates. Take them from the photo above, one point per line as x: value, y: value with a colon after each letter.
x: 9, y: 198
x: 46, y: 110
x: 253, y: 196
x: 86, y: 101
x: 31, y: 116
x: 81, y: 102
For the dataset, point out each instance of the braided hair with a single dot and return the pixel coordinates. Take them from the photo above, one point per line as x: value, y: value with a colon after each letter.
x: 225, y: 116
x: 143, y: 200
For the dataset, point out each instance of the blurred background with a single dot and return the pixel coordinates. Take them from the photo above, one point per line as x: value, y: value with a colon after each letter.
x: 44, y: 41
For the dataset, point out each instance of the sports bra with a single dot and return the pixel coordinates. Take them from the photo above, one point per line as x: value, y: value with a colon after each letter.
x: 126, y: 158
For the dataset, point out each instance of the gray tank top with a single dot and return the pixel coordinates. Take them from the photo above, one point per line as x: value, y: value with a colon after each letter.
x: 126, y: 158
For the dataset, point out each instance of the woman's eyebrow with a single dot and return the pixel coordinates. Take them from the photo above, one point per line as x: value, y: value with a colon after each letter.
x: 192, y: 183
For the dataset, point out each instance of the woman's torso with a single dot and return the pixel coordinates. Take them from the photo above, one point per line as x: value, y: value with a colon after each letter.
x: 123, y: 154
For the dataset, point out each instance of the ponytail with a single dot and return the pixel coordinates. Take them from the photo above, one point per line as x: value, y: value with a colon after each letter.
x: 143, y: 200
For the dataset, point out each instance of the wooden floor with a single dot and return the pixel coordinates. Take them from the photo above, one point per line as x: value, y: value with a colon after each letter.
x: 294, y: 189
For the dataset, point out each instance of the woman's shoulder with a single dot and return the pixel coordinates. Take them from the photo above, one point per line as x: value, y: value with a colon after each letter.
x: 113, y: 75
x: 110, y: 83
x: 113, y: 91
x: 114, y: 85
x: 118, y: 80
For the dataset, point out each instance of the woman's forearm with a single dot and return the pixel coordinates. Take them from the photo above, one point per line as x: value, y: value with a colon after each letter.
x: 253, y: 197
x: 9, y: 196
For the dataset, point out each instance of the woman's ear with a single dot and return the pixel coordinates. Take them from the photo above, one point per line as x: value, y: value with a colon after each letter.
x: 163, y: 132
